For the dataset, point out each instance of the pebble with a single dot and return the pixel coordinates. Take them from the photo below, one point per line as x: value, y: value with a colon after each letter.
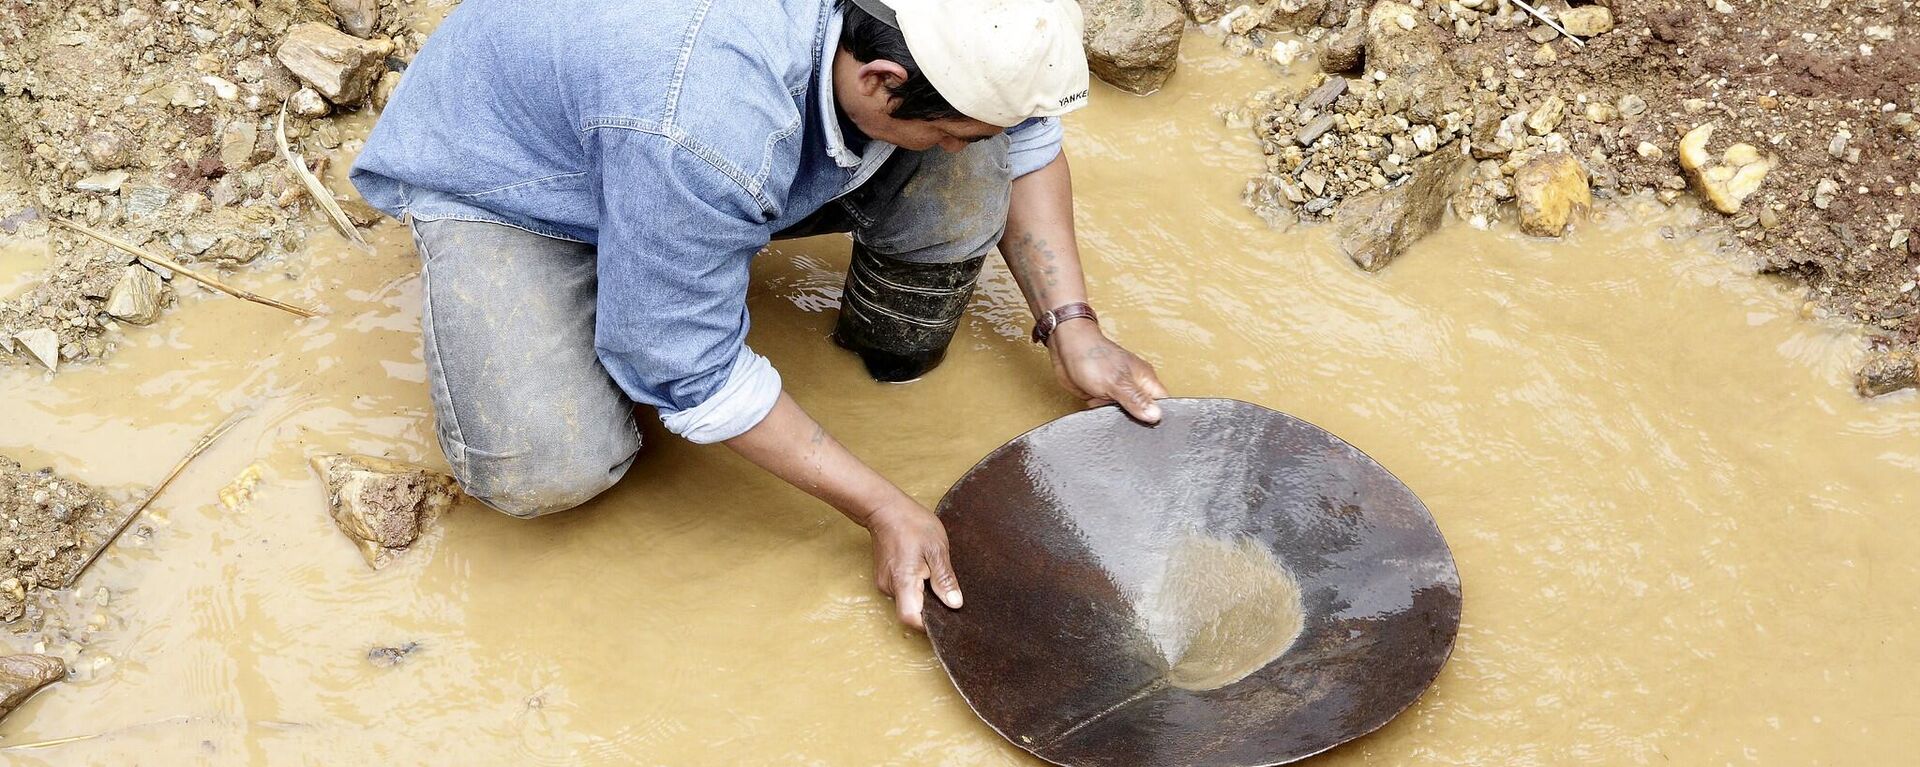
x: 147, y: 200
x: 227, y: 91
x: 42, y: 345
x: 1587, y: 20
x: 105, y: 150
x: 136, y: 297
x: 1632, y: 105
x: 308, y: 103
x: 1837, y: 146
x: 1312, y: 131
x: 1823, y: 193
x: 1547, y: 116
x: 107, y: 183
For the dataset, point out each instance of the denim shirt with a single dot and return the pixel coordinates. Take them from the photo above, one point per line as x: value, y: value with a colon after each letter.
x: 677, y: 137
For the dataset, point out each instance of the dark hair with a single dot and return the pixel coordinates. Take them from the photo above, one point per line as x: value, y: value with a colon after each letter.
x: 868, y: 39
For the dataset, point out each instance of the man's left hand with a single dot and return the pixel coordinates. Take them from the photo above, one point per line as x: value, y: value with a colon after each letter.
x: 1099, y: 371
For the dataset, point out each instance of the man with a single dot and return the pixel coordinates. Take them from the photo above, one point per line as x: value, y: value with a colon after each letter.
x: 588, y: 180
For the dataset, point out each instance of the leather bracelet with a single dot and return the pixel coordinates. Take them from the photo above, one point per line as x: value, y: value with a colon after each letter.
x: 1051, y: 320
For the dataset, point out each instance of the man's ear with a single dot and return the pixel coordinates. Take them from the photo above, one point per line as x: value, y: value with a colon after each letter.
x: 879, y: 77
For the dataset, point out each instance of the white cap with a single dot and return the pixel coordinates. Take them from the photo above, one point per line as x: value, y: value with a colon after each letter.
x: 997, y: 61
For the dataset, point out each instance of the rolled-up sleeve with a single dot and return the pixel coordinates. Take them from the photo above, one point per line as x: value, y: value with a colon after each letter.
x: 676, y: 239
x: 1034, y: 144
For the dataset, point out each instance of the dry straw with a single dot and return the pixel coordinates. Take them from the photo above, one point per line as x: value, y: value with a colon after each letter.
x: 206, y: 441
x: 315, y: 190
x: 174, y: 266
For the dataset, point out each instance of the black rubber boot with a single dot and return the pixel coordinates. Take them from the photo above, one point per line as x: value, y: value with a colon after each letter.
x: 899, y: 316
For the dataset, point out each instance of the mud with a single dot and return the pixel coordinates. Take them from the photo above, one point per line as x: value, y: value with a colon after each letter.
x: 1684, y: 539
x: 48, y: 527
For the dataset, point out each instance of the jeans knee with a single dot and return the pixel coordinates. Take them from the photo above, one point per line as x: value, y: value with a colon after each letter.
x: 533, y: 488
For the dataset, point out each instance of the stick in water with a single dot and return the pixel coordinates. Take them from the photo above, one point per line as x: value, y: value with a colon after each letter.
x: 1551, y: 23
x: 205, y: 442
x: 174, y: 266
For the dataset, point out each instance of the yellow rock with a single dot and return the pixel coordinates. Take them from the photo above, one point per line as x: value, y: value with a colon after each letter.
x: 1725, y: 186
x: 1550, y: 191
x: 1741, y: 154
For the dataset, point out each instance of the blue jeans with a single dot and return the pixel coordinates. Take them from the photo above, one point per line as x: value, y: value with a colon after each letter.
x: 532, y: 424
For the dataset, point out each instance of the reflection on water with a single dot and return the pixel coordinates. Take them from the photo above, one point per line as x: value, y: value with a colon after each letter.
x: 1684, y: 540
x: 1221, y: 610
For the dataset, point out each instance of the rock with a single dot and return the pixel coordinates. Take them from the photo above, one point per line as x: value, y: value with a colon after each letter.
x: 357, y: 17
x: 1823, y: 193
x: 1550, y: 190
x: 1649, y: 151
x: 1291, y: 15
x: 1316, y: 182
x: 1425, y: 138
x: 223, y: 88
x: 237, y: 144
x: 1133, y: 44
x: 1599, y: 113
x: 1547, y: 116
x: 383, y: 505
x: 1203, y: 11
x: 1414, y: 61
x: 1346, y: 48
x: 41, y: 344
x: 1724, y: 185
x: 23, y: 675
x: 1885, y: 373
x: 1323, y: 96
x: 147, y: 200
x: 308, y: 103
x: 383, y: 90
x: 1312, y: 131
x: 1587, y: 20
x: 107, y: 183
x: 390, y: 656
x: 106, y: 150
x: 1631, y: 105
x: 1376, y: 227
x: 136, y: 297
x: 340, y: 66
x: 1545, y: 55
x: 1837, y: 147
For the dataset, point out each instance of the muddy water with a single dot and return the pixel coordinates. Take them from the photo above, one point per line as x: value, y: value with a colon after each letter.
x: 22, y: 261
x: 1683, y: 540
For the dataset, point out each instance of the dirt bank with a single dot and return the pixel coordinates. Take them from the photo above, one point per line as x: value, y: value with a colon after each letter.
x: 1822, y: 95
x: 152, y: 121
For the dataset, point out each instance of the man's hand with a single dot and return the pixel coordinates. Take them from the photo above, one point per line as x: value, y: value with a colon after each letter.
x: 1099, y: 371
x: 909, y: 549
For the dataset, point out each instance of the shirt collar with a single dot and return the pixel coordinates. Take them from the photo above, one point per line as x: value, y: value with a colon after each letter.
x: 830, y: 110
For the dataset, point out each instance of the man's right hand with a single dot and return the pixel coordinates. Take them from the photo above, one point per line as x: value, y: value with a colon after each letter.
x: 909, y: 543
x: 910, y: 549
